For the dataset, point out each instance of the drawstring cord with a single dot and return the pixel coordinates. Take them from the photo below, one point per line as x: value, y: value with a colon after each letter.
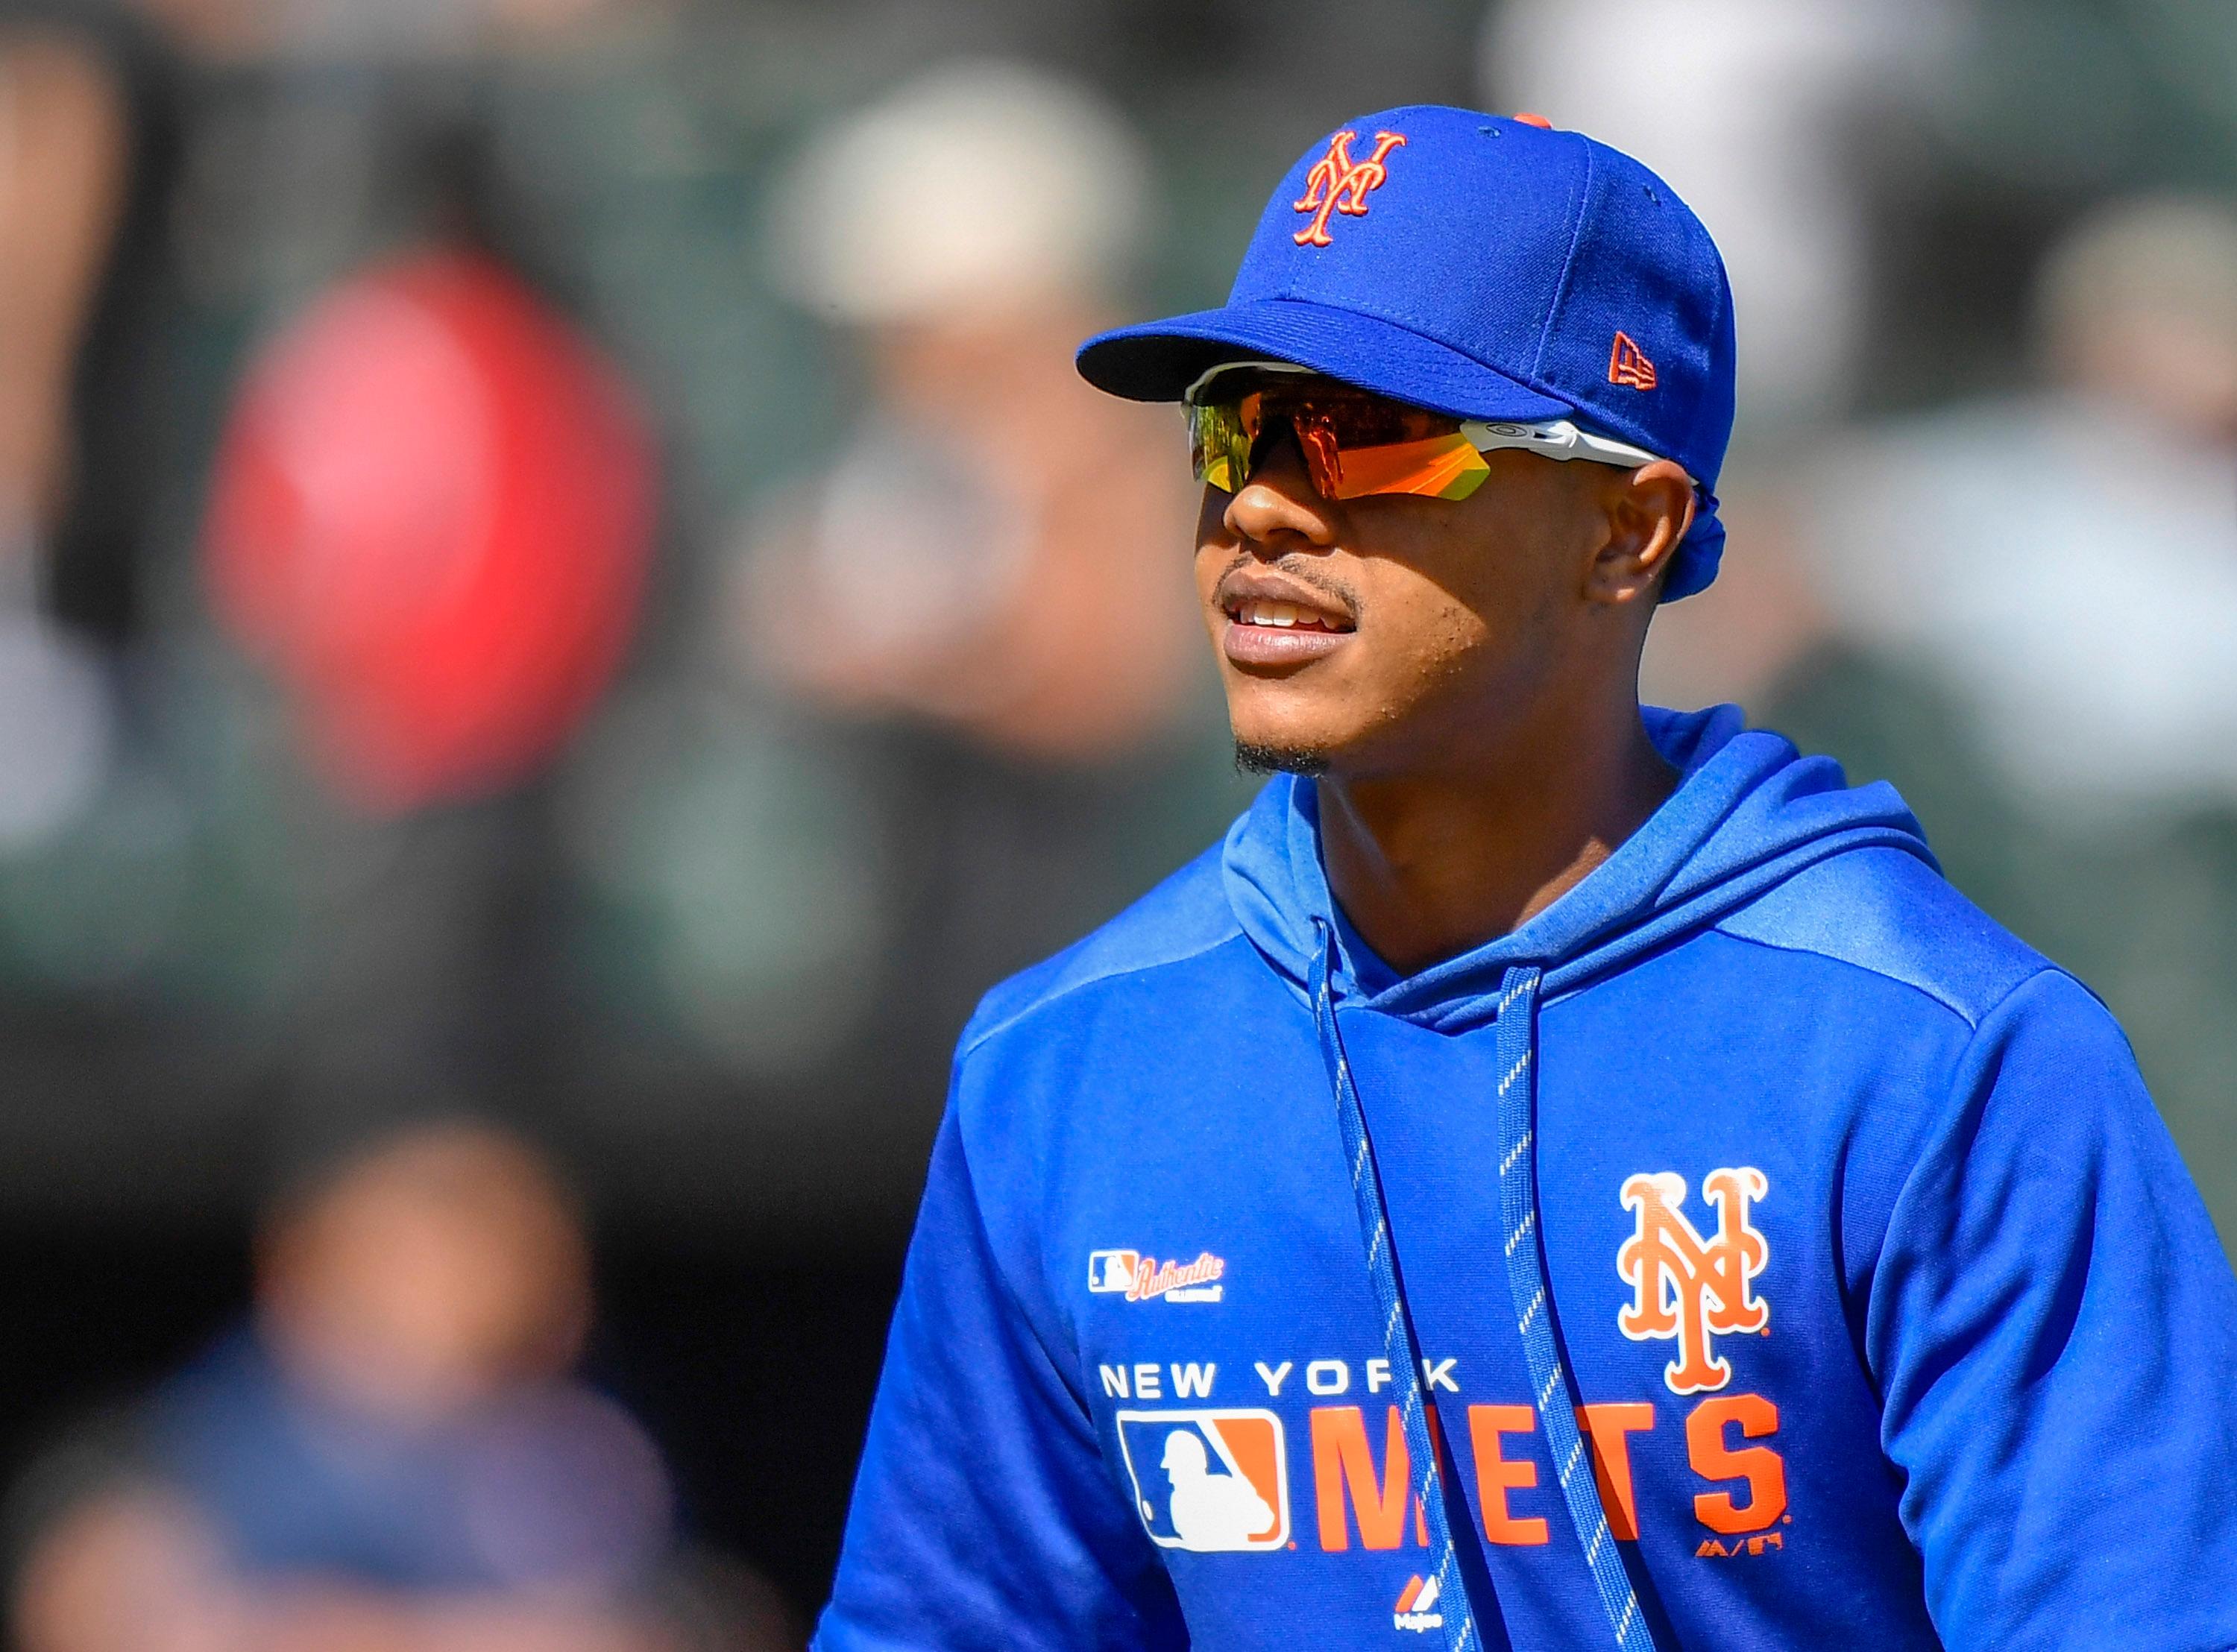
x: 1399, y: 1346
x: 1516, y: 1046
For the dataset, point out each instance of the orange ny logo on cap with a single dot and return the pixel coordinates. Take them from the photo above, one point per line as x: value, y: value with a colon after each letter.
x: 1337, y: 183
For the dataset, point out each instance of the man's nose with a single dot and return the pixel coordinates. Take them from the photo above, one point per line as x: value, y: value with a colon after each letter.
x: 1279, y: 505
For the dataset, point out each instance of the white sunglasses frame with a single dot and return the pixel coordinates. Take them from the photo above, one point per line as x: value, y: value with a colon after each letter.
x: 1552, y: 438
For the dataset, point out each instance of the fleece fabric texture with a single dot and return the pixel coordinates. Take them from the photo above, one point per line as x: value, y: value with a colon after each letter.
x: 1888, y: 1309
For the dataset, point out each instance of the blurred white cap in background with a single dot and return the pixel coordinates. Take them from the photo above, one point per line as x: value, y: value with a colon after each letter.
x: 980, y: 186
x: 2139, y: 303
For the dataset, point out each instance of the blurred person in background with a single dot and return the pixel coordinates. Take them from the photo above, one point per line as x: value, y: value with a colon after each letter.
x: 64, y: 148
x: 425, y: 501
x: 962, y: 728
x: 431, y: 519
x: 86, y: 157
x: 2067, y: 557
x: 392, y: 1453
x: 952, y: 564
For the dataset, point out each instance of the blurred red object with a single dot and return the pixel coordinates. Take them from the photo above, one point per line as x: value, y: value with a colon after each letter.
x: 432, y: 517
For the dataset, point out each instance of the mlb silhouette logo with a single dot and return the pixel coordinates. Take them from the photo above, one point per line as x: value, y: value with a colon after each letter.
x: 1111, y: 1272
x: 1212, y: 1482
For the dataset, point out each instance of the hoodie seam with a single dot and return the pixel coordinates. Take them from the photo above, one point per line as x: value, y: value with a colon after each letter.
x: 1951, y: 1104
x: 1970, y: 1021
x: 1861, y: 1349
x: 972, y: 1043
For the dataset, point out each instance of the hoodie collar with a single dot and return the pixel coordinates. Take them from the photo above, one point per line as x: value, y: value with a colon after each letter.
x: 1749, y: 812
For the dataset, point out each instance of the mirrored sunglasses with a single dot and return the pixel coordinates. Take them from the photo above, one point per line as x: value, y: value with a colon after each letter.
x: 1356, y: 443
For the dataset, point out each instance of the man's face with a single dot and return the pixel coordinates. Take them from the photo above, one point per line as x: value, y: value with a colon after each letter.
x: 1412, y: 622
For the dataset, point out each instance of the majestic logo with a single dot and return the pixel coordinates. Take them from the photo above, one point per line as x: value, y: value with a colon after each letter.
x: 1338, y: 183
x: 1416, y: 1608
x: 1140, y: 1279
x: 1627, y: 365
x: 1212, y: 1482
x: 1688, y: 1287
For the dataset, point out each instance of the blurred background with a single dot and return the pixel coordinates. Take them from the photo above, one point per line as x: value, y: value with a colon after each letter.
x: 563, y: 614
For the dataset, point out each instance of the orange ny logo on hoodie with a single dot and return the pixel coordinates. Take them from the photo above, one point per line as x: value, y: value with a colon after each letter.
x: 1688, y: 1287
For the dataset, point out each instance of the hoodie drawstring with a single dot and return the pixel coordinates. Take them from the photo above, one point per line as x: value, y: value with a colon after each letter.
x: 1517, y: 1051
x: 1517, y: 1046
x: 1399, y: 1346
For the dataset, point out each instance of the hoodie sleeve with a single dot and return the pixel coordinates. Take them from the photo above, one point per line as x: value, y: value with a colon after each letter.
x: 983, y: 1516
x: 2054, y: 1327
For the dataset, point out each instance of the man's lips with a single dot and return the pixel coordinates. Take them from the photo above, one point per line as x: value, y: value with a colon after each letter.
x: 1270, y: 624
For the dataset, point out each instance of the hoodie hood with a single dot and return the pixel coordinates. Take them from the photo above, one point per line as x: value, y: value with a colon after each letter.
x: 1750, y: 811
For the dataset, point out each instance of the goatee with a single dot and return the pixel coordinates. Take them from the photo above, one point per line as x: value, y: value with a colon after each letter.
x: 1280, y: 760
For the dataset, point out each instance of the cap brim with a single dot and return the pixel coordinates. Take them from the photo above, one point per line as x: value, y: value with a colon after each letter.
x: 1156, y: 361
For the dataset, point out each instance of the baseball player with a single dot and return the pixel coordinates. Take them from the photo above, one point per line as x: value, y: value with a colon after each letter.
x: 1593, y: 1178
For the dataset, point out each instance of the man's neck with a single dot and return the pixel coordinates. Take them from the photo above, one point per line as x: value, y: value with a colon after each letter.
x: 1427, y: 867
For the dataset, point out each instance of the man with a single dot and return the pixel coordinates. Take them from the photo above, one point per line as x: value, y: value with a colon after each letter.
x: 1531, y: 1081
x: 391, y: 1457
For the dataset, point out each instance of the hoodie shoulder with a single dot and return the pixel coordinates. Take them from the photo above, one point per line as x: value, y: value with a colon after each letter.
x: 1892, y: 913
x: 1187, y: 915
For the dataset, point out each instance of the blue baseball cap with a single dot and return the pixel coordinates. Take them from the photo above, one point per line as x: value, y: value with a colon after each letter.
x: 1486, y: 267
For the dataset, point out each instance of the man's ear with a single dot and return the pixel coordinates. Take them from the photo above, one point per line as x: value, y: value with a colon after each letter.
x: 1648, y: 511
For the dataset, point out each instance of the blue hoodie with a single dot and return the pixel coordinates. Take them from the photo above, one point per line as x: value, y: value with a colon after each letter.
x: 1834, y: 1221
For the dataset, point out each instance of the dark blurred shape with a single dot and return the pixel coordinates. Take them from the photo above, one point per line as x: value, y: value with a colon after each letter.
x: 391, y: 1455
x: 336, y: 28
x: 433, y: 517
x: 64, y: 167
x: 88, y: 145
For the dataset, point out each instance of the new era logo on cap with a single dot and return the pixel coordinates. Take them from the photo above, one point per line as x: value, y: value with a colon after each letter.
x: 1627, y: 363
x: 1488, y: 268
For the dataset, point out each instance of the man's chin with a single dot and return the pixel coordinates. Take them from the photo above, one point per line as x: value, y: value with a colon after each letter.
x: 1252, y: 758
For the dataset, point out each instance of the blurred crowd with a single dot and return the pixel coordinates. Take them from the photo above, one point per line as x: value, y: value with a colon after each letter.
x: 554, y: 571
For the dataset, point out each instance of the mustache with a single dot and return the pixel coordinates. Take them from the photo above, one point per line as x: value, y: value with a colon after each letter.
x: 1305, y: 570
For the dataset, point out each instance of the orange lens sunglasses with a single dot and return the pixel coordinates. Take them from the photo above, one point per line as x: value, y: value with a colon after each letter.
x: 1355, y: 442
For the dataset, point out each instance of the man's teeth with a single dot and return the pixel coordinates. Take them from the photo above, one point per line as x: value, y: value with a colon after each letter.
x: 1283, y: 615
